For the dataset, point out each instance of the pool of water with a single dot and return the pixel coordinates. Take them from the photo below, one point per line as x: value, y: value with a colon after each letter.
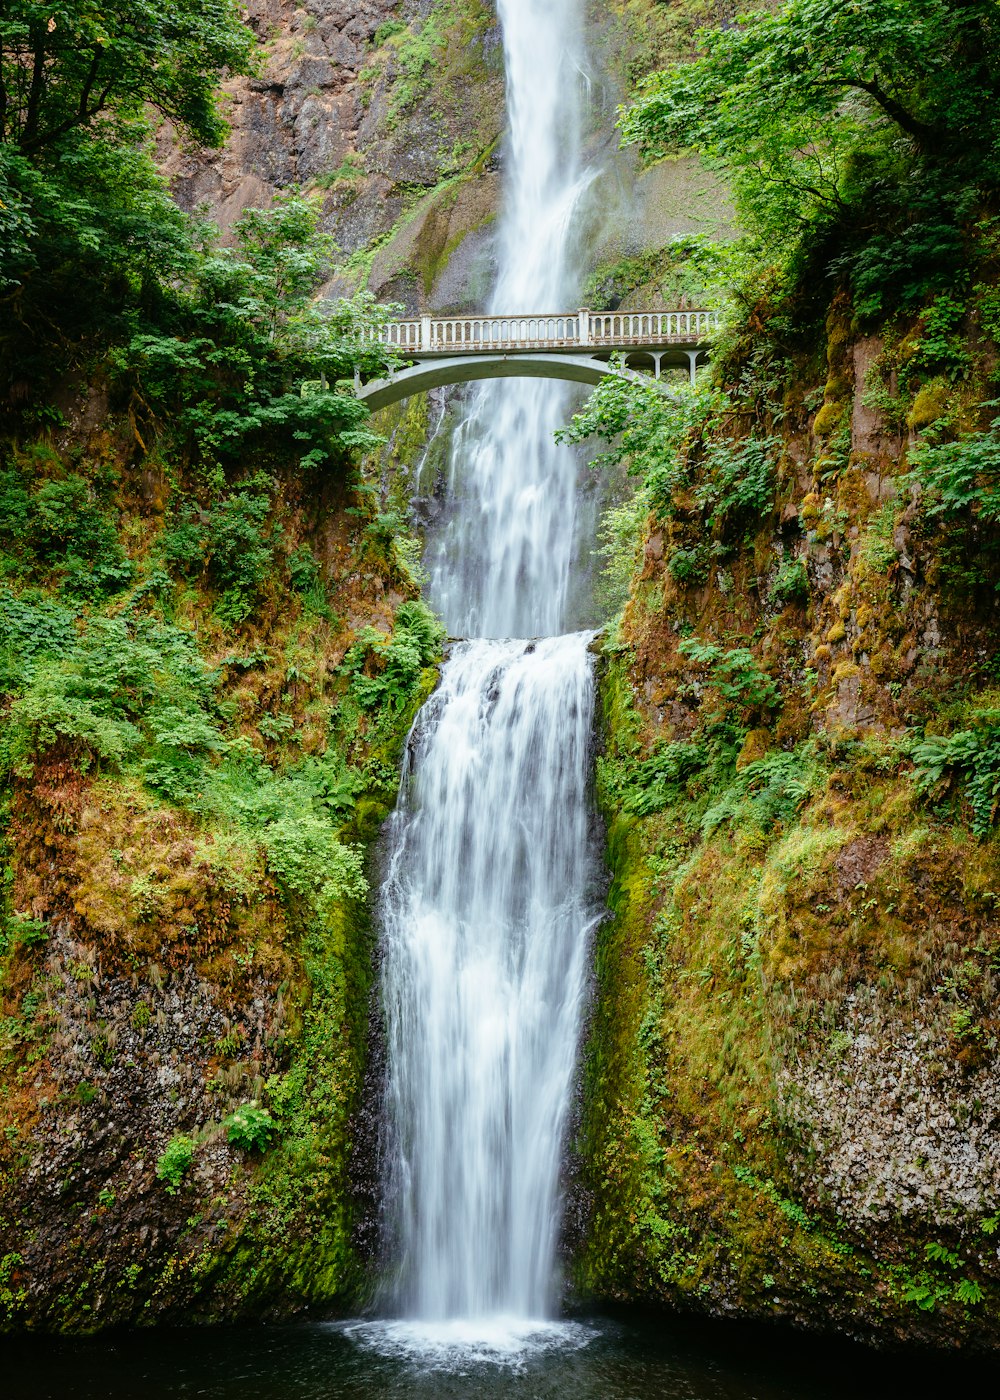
x: 586, y: 1359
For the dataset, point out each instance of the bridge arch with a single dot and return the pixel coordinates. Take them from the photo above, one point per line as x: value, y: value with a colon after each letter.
x: 467, y: 368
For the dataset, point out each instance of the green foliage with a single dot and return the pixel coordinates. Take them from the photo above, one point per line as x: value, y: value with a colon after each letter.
x: 229, y: 543
x: 250, y: 1128
x: 669, y: 441
x: 303, y: 851
x: 738, y: 478
x: 941, y: 345
x: 735, y: 675
x: 660, y: 780
x: 968, y: 759
x: 86, y: 223
x: 173, y: 1163
x: 31, y: 627
x: 385, y: 671
x: 92, y: 692
x: 688, y: 566
x: 63, y: 69
x: 857, y: 128
x: 791, y: 582
x: 386, y: 31
x: 962, y: 476
x: 306, y: 578
x: 246, y: 359
x: 60, y: 526
x: 767, y: 793
x: 646, y: 430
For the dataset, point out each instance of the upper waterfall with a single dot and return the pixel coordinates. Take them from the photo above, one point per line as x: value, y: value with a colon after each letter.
x: 502, y: 565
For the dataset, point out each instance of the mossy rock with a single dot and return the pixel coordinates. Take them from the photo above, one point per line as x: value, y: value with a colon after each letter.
x: 829, y: 419
x: 929, y: 406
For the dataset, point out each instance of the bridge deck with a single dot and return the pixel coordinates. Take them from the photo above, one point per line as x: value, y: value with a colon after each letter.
x: 605, y: 331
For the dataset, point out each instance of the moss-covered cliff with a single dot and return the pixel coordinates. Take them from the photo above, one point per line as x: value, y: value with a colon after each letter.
x: 792, y: 1080
x: 198, y: 747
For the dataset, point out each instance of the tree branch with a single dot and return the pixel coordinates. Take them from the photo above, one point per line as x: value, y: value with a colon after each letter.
x: 925, y: 135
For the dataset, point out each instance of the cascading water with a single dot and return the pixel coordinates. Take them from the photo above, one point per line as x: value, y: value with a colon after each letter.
x: 487, y: 907
x: 485, y: 925
x: 502, y: 565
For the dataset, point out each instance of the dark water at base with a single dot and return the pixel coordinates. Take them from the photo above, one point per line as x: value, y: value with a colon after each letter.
x: 593, y: 1359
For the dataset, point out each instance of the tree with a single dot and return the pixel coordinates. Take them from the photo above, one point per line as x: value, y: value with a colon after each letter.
x: 87, y: 227
x: 65, y: 66
x: 854, y: 114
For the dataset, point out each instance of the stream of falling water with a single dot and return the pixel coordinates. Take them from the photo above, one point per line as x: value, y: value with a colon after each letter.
x: 487, y: 907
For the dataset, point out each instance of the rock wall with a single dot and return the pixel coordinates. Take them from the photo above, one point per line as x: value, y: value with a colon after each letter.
x: 793, y: 1078
x: 390, y: 109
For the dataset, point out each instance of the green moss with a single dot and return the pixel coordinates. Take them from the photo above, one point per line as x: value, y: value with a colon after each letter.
x: 929, y: 405
x: 828, y: 419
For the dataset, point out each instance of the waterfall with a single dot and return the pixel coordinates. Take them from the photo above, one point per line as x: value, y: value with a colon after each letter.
x: 485, y: 939
x: 487, y: 907
x: 501, y: 567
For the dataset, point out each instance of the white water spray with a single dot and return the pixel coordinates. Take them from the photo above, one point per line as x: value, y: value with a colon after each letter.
x: 487, y: 908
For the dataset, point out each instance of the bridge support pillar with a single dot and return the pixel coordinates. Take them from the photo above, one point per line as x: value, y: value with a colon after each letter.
x: 658, y: 365
x: 692, y: 361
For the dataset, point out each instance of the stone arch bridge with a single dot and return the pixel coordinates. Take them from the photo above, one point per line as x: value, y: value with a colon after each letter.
x: 574, y: 345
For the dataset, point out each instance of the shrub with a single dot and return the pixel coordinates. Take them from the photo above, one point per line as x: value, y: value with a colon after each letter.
x: 303, y: 851
x: 767, y: 793
x: 738, y: 480
x: 239, y: 554
x: 791, y: 582
x: 970, y: 759
x: 385, y: 671
x: 173, y: 1163
x: 250, y: 1128
x: 661, y: 779
x: 961, y: 476
x: 689, y: 566
x: 735, y: 675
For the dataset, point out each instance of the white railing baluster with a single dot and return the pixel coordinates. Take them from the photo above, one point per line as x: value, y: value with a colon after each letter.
x: 416, y: 336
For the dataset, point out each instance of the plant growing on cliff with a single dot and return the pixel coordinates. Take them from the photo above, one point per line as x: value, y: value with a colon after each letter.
x: 250, y: 1128
x: 735, y: 675
x: 969, y: 759
x: 248, y: 357
x: 173, y: 1163
x: 961, y: 477
x: 385, y: 670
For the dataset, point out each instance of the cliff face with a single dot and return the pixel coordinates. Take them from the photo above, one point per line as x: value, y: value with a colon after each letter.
x: 392, y: 110
x: 191, y: 776
x: 793, y: 1078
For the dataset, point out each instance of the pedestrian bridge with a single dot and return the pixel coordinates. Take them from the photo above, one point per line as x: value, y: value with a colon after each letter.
x: 574, y: 345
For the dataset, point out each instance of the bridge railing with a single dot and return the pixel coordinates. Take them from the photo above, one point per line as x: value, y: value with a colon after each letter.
x: 565, y: 330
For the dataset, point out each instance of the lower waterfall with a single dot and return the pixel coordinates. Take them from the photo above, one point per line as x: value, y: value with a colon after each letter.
x: 485, y: 916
